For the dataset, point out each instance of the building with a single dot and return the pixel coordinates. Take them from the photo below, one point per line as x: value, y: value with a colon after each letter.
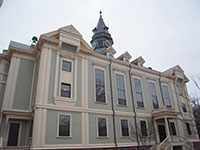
x: 60, y: 93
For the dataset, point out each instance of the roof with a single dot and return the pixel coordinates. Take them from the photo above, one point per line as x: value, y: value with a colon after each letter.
x: 101, y: 27
x: 171, y: 70
x: 21, y: 46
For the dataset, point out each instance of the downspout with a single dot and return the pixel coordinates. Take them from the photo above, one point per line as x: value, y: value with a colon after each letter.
x: 133, y: 107
x: 113, y: 115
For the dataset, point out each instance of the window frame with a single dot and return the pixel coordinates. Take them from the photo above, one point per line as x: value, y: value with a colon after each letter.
x: 125, y: 93
x: 70, y: 92
x: 146, y: 123
x: 105, y: 89
x: 19, y: 135
x: 180, y: 93
x: 141, y: 84
x: 171, y: 130
x: 153, y: 82
x: 169, y: 93
x: 184, y: 108
x: 121, y: 135
x: 58, y: 125
x: 189, y: 131
x: 68, y: 61
x: 97, y: 127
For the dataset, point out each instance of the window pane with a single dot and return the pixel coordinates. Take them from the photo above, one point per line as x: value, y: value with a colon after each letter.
x: 65, y: 90
x: 173, y: 128
x: 102, y: 127
x: 138, y: 89
x: 180, y: 92
x: 188, y: 128
x: 100, y: 87
x: 64, y: 125
x: 121, y: 89
x: 166, y: 96
x: 66, y: 66
x: 124, y: 127
x: 154, y: 95
x: 143, y: 128
x: 184, y: 107
x: 13, y: 134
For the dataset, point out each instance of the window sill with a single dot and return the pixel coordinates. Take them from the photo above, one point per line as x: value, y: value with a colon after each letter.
x: 63, y: 137
x: 103, y: 103
x: 140, y: 108
x: 102, y: 137
x: 64, y: 101
x: 124, y: 137
x: 121, y: 105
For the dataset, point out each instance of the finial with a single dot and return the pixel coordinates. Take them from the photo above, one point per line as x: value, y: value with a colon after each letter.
x: 100, y: 13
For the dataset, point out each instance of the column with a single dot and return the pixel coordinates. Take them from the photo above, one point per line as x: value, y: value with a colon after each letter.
x: 167, y: 129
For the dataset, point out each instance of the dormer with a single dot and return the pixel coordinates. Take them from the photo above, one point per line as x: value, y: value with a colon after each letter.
x: 110, y: 51
x: 178, y: 72
x: 125, y: 57
x: 138, y: 61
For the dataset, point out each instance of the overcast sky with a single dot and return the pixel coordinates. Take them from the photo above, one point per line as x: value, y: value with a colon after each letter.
x: 164, y: 32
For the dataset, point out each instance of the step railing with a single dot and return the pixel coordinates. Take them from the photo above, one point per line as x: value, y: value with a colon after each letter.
x: 187, y: 143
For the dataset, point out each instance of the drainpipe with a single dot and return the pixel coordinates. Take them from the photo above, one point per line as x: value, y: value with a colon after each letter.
x: 133, y: 107
x: 113, y: 109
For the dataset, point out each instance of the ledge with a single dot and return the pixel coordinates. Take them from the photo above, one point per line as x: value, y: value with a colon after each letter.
x: 63, y: 101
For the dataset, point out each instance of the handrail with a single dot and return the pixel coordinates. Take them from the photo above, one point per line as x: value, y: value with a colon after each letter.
x: 187, y: 142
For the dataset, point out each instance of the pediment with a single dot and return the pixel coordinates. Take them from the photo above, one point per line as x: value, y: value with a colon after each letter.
x: 125, y: 55
x: 138, y: 60
x: 109, y: 50
x: 71, y: 29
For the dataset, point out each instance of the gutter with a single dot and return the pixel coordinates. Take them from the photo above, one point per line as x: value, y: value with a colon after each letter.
x: 112, y: 101
x: 133, y: 108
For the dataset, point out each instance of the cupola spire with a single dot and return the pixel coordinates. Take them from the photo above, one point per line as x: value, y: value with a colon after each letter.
x: 101, y: 38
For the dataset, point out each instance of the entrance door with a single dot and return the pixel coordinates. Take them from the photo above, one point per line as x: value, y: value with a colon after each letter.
x: 162, y: 133
x: 13, y: 134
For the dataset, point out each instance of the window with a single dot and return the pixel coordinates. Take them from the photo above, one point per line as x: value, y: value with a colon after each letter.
x: 124, y: 127
x: 188, y: 128
x: 31, y: 128
x: 100, y: 87
x: 66, y: 66
x: 64, y: 125
x: 172, y: 128
x: 166, y: 96
x: 138, y: 89
x: 102, y: 129
x: 184, y: 107
x: 154, y: 95
x: 13, y: 134
x: 121, y: 89
x: 65, y: 90
x: 180, y: 92
x: 143, y: 128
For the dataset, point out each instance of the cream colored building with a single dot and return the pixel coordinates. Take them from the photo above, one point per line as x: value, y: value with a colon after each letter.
x: 64, y: 94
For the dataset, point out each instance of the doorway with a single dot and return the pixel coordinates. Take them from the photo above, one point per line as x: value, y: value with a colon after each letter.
x: 161, y: 131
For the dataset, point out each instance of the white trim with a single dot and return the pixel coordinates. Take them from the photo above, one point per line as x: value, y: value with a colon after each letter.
x: 157, y: 91
x: 97, y: 127
x: 123, y: 74
x: 19, y: 134
x: 105, y: 81
x: 134, y: 95
x: 147, y: 126
x: 70, y: 125
x: 169, y: 92
x: 121, y: 127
